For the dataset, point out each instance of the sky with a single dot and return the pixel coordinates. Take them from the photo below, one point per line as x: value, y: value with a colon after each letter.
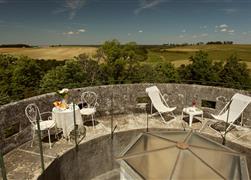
x: 51, y: 22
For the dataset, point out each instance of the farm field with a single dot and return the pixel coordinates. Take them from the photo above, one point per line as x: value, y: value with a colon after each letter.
x: 177, y: 55
x: 58, y: 53
x: 180, y: 55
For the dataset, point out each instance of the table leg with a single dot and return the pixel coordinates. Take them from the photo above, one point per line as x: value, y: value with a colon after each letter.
x: 190, y: 120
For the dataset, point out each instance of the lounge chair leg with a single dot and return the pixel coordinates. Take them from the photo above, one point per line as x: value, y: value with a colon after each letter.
x: 190, y: 120
x: 92, y: 122
x: 151, y: 108
x: 49, y: 137
x: 162, y: 118
x: 203, y: 125
x: 33, y: 136
x: 241, y: 119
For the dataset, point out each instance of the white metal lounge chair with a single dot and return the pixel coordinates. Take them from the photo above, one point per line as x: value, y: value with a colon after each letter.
x: 232, y: 111
x: 159, y: 102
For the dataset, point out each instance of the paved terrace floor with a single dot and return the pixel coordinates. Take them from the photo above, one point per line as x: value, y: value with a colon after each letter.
x: 24, y: 162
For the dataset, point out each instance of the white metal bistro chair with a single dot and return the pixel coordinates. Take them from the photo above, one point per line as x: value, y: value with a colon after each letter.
x: 232, y: 111
x: 33, y: 114
x: 89, y: 103
x: 159, y: 102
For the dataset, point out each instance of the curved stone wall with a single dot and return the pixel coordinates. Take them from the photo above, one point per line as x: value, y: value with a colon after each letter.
x: 15, y: 127
x: 96, y: 159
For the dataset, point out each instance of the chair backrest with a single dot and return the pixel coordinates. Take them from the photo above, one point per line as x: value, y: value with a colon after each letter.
x: 238, y: 104
x: 156, y: 98
x: 32, y: 112
x: 89, y: 98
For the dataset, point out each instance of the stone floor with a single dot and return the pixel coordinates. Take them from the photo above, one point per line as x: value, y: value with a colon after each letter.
x: 24, y: 162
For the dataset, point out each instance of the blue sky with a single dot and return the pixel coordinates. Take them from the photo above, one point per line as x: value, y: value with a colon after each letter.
x: 43, y: 22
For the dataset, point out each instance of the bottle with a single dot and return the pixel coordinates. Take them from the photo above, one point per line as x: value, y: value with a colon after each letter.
x: 193, y: 103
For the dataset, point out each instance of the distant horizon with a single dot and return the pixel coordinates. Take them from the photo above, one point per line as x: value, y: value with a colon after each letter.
x: 48, y: 45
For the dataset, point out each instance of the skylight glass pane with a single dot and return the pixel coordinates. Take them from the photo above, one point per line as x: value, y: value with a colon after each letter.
x: 155, y: 165
x: 190, y: 167
x: 174, y: 136
x: 228, y: 165
x: 148, y: 142
x: 203, y: 142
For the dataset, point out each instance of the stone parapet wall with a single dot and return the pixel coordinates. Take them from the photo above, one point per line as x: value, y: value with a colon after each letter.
x: 116, y: 99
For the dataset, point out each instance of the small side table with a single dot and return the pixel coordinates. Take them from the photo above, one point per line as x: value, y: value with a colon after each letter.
x: 192, y: 111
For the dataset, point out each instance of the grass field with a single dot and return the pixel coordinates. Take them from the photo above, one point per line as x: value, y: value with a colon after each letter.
x: 58, y: 53
x: 180, y: 55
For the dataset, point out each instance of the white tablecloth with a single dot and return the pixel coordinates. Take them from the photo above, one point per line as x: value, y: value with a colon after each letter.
x: 64, y: 119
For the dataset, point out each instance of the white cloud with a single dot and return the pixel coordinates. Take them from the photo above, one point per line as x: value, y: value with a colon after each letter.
x: 181, y: 36
x: 71, y: 6
x: 223, y: 26
x: 140, y: 31
x: 204, y: 35
x: 183, y: 31
x: 147, y: 4
x: 230, y: 10
x: 69, y: 33
x: 81, y: 30
x: 200, y: 35
x: 129, y: 34
x: 74, y: 32
x: 244, y: 33
x: 203, y: 27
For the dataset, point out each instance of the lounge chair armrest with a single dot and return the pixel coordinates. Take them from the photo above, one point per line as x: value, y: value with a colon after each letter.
x: 222, y: 99
x: 165, y: 99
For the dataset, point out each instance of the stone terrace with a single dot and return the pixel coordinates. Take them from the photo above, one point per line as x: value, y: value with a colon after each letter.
x: 24, y: 161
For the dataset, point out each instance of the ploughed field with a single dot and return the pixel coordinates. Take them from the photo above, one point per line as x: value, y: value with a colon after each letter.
x: 58, y: 53
x: 177, y: 55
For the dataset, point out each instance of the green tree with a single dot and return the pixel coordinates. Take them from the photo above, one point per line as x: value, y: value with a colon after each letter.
x: 90, y: 67
x: 26, y: 78
x: 165, y: 72
x: 144, y: 73
x: 121, y: 60
x: 202, y: 69
x: 235, y: 73
x: 110, y: 51
x: 7, y: 65
x: 71, y: 75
